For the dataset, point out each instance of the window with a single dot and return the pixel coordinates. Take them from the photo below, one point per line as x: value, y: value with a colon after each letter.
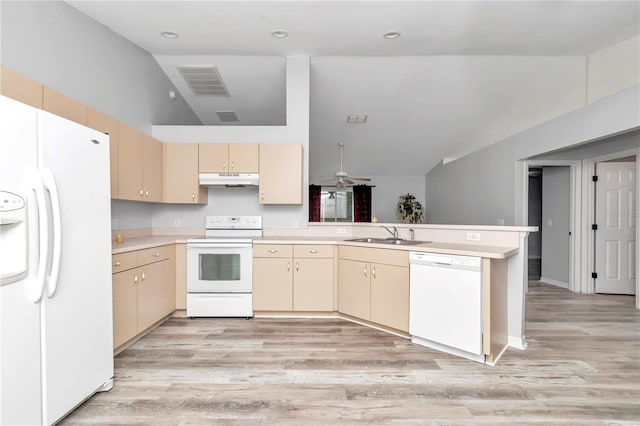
x: 336, y: 204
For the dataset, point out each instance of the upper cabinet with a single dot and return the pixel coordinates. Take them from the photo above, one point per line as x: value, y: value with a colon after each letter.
x: 63, y: 106
x: 129, y: 163
x: 280, y: 173
x: 105, y: 124
x: 16, y: 86
x: 151, y: 169
x: 228, y: 158
x: 180, y: 174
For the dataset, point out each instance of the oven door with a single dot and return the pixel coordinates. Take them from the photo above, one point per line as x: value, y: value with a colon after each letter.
x: 219, y: 268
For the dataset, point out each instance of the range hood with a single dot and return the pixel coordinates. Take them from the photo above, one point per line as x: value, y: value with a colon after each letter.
x: 229, y: 179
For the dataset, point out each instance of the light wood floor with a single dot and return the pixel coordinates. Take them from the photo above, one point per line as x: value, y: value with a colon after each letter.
x: 582, y: 367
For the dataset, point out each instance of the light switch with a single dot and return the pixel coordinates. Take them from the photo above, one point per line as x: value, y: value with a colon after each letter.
x: 549, y: 223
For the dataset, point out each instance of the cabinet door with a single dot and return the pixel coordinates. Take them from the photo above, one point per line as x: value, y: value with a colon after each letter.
x: 16, y: 86
x: 213, y: 157
x: 313, y: 284
x: 354, y: 292
x: 150, y: 295
x: 125, y: 306
x: 243, y: 158
x: 181, y: 183
x: 63, y: 106
x: 105, y: 124
x: 280, y: 173
x: 151, y: 169
x: 390, y: 296
x: 129, y: 163
x: 272, y: 284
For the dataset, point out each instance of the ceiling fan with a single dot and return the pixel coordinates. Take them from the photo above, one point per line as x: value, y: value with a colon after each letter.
x: 343, y: 179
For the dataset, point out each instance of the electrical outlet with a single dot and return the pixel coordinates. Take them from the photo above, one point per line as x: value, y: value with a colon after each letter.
x: 177, y: 222
x: 294, y: 223
x: 473, y: 236
x: 549, y: 223
x: 500, y: 221
x: 342, y: 231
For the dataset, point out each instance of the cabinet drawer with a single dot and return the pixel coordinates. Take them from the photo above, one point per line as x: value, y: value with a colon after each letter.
x: 375, y: 255
x: 272, y: 250
x: 155, y: 254
x: 123, y: 261
x: 313, y: 250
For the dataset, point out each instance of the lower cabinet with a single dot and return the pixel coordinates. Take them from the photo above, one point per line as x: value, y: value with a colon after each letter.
x: 373, y: 285
x: 143, y: 290
x: 293, y: 277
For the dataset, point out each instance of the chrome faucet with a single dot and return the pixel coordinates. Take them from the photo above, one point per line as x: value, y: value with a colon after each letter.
x: 394, y: 232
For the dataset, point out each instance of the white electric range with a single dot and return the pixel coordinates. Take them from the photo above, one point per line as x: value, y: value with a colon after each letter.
x: 219, y: 267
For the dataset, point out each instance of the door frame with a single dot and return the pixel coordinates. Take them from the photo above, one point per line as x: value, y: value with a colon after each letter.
x: 588, y: 215
x: 575, y: 217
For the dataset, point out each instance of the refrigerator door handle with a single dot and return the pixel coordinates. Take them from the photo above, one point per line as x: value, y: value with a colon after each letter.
x: 35, y: 288
x: 50, y: 185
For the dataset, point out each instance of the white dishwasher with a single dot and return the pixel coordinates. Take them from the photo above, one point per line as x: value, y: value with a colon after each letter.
x: 446, y: 303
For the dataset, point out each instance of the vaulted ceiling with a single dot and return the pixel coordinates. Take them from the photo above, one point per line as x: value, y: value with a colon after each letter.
x: 461, y: 75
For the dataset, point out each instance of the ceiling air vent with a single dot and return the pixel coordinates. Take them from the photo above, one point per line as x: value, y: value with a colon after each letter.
x: 227, y: 116
x: 204, y: 80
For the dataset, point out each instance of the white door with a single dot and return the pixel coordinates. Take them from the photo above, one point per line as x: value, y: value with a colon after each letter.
x: 615, y: 238
x: 77, y: 314
x: 20, y: 402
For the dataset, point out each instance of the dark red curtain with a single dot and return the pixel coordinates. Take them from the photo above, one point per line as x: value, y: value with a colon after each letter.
x: 362, y: 203
x: 314, y: 203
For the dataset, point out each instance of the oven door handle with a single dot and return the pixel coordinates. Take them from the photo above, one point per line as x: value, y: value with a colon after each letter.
x: 218, y: 245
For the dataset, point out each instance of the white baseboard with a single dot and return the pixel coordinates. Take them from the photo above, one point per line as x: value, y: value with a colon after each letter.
x: 554, y: 282
x: 518, y: 343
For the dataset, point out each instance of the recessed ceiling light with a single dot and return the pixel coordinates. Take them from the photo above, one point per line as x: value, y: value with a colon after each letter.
x: 279, y: 34
x: 169, y: 34
x: 391, y: 35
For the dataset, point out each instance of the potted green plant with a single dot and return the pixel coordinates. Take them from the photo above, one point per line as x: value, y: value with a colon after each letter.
x: 409, y: 209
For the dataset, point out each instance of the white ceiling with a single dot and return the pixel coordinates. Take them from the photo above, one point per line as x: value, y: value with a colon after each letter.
x: 460, y: 73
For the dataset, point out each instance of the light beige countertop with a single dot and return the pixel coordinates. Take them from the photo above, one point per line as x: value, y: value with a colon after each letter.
x: 148, y: 241
x: 494, y: 252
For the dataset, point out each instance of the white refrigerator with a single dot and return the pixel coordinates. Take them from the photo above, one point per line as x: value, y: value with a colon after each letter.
x: 55, y: 271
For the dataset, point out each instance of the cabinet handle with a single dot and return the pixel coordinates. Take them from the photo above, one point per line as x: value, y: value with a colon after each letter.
x: 224, y: 166
x: 297, y: 266
x: 273, y: 251
x: 116, y: 264
x: 313, y: 251
x: 135, y: 278
x: 193, y: 196
x: 288, y: 266
x: 140, y: 192
x: 262, y: 196
x: 232, y: 166
x: 365, y: 270
x: 146, y: 192
x: 143, y: 276
x: 156, y: 254
x: 373, y: 271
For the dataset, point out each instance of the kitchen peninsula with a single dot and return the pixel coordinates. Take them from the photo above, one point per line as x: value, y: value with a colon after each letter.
x: 325, y: 292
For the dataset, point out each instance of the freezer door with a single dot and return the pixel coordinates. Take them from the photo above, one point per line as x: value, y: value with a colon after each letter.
x: 77, y: 311
x: 20, y: 401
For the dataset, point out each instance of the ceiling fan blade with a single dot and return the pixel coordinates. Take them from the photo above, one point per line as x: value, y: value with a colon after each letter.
x: 361, y: 179
x: 348, y: 181
x: 326, y: 179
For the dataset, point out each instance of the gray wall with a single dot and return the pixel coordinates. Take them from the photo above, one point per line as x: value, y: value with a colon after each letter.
x: 384, y: 196
x: 53, y: 43
x: 617, y: 143
x: 485, y: 185
x: 555, y: 225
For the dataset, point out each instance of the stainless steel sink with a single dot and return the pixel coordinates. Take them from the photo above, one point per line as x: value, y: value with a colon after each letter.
x: 394, y: 241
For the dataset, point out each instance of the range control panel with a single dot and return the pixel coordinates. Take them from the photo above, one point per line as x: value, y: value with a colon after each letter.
x: 233, y: 222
